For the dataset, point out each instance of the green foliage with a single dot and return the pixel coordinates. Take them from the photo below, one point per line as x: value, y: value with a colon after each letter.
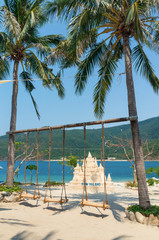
x: 31, y: 167
x: 114, y: 20
x: 18, y: 145
x: 131, y: 184
x: 52, y: 183
x: 74, y: 141
x: 146, y: 212
x: 72, y: 161
x: 15, y: 188
x: 152, y: 181
x: 153, y: 170
x: 21, y: 42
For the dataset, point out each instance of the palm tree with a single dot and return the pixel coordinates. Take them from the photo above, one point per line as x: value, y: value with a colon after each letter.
x: 124, y: 24
x: 22, y: 45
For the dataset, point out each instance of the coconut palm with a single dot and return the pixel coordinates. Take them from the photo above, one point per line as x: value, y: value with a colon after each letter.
x: 103, y: 32
x: 22, y: 45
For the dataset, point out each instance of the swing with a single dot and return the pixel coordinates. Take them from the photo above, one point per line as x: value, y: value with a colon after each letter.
x: 25, y: 194
x: 85, y: 201
x: 60, y: 200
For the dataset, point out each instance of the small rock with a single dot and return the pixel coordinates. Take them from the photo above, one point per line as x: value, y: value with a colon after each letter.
x: 5, y: 193
x: 132, y: 216
x: 146, y: 220
x: 155, y: 221
x: 1, y: 197
x: 150, y: 219
x: 139, y: 217
x: 12, y: 198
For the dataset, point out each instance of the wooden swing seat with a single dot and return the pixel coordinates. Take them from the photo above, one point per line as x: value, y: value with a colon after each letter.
x: 28, y: 195
x: 94, y: 204
x: 55, y: 200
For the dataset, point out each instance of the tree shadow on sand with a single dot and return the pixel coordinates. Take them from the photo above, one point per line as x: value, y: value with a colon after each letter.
x: 29, y: 235
x: 5, y: 209
x: 123, y: 237
x: 13, y: 221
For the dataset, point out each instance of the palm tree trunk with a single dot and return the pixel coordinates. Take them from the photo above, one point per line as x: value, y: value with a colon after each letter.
x: 10, y: 164
x: 144, y: 200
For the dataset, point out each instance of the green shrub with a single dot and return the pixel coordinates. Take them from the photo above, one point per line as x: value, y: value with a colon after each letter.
x: 131, y: 184
x: 52, y: 183
x: 5, y: 188
x: 151, y: 181
x: 146, y: 212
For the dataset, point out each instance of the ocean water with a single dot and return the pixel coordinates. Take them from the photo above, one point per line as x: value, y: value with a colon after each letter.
x: 120, y: 171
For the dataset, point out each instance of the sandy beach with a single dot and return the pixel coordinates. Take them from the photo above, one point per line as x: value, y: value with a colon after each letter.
x: 25, y: 220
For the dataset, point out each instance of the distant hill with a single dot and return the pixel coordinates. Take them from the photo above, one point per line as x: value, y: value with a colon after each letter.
x: 149, y: 130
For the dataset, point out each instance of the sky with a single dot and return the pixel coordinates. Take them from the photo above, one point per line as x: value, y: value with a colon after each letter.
x: 74, y: 108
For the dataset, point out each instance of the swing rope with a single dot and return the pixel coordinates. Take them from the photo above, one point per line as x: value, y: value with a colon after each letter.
x: 26, y: 157
x: 63, y: 186
x: 105, y: 188
x: 84, y: 187
x: 85, y: 201
x: 37, y: 185
x: 48, y: 183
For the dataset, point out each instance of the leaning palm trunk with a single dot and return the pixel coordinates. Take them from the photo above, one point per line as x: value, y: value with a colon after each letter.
x: 10, y: 165
x: 139, y: 160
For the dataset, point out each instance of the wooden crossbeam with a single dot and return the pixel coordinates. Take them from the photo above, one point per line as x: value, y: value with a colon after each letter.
x: 123, y: 119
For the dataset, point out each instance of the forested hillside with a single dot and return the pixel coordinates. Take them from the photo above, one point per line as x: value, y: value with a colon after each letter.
x: 74, y: 141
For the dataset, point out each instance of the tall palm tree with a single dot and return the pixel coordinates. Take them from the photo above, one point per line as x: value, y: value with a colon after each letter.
x: 22, y: 45
x: 103, y: 32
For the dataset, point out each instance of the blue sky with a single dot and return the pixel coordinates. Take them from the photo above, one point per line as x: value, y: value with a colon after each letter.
x: 73, y: 108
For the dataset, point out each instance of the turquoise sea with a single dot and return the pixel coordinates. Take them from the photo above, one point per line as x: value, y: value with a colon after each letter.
x: 120, y: 171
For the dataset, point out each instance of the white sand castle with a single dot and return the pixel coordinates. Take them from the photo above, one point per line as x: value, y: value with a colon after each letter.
x: 94, y: 177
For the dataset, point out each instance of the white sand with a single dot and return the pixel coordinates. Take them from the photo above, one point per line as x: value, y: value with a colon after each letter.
x: 27, y: 221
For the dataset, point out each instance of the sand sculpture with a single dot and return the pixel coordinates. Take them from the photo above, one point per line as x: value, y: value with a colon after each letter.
x: 94, y: 177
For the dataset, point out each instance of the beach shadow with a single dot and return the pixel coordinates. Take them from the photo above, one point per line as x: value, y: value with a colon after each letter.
x: 99, y: 215
x: 122, y: 237
x: 15, y: 222
x: 116, y: 207
x: 27, y: 204
x: 5, y: 209
x: 29, y: 235
x: 62, y: 208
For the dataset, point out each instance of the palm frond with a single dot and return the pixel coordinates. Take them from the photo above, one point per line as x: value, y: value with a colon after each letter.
x: 35, y: 66
x: 6, y: 43
x: 4, y: 68
x: 27, y: 82
x: 86, y: 67
x: 11, y: 24
x: 142, y: 63
x: 106, y: 73
x: 56, y: 82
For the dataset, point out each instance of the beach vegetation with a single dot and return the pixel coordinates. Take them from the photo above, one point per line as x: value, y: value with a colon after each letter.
x: 32, y: 168
x: 153, y: 170
x: 101, y: 33
x: 70, y: 162
x: 5, y: 188
x: 52, y: 183
x: 132, y: 184
x: 152, y: 181
x: 154, y: 209
x: 22, y: 47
